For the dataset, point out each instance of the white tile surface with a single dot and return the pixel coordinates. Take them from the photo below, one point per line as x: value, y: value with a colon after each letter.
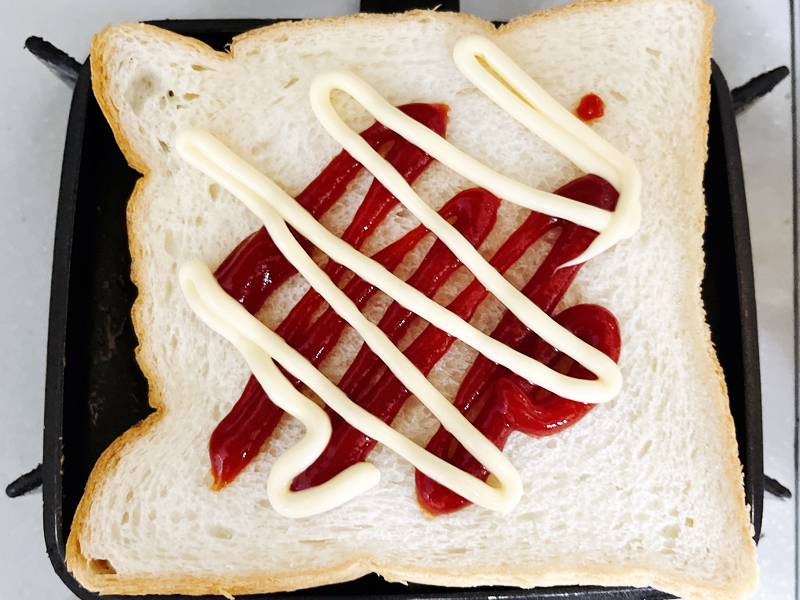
x: 750, y: 36
x: 749, y: 40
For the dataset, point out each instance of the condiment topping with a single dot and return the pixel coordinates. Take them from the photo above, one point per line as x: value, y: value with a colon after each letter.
x: 601, y: 382
x: 591, y: 107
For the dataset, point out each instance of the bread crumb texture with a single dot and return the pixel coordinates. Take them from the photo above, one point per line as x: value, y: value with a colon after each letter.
x: 644, y: 491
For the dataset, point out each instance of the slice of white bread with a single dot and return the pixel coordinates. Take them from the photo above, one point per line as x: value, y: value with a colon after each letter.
x: 644, y: 491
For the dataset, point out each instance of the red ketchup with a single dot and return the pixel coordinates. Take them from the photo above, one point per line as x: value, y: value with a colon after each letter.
x: 591, y: 107
x: 502, y: 401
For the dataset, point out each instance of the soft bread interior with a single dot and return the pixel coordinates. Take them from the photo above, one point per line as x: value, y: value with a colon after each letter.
x: 645, y: 490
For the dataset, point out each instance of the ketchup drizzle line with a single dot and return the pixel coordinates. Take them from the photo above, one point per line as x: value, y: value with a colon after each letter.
x: 256, y: 268
x: 505, y: 401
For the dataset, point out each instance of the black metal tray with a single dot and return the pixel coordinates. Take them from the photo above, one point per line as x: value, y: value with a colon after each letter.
x: 95, y: 391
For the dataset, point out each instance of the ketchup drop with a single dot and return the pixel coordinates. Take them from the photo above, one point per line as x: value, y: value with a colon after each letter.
x: 591, y: 107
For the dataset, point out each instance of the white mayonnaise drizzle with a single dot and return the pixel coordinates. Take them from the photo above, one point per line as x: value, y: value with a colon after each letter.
x: 275, y: 208
x: 536, y: 110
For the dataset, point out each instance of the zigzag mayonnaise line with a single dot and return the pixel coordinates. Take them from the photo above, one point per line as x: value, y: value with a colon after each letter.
x: 532, y: 107
x: 536, y: 110
x: 273, y: 205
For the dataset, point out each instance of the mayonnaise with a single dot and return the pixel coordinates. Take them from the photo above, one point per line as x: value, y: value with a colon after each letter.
x: 529, y: 105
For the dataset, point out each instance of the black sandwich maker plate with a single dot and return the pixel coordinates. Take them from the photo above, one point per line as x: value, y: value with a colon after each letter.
x: 95, y: 390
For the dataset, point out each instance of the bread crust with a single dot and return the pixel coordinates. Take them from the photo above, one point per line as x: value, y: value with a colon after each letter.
x: 277, y: 30
x: 590, y: 574
x: 607, y: 575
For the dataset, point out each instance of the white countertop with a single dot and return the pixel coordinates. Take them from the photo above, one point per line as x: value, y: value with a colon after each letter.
x: 750, y: 37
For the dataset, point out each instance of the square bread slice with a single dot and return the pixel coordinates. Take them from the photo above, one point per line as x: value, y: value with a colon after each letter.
x: 646, y: 490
